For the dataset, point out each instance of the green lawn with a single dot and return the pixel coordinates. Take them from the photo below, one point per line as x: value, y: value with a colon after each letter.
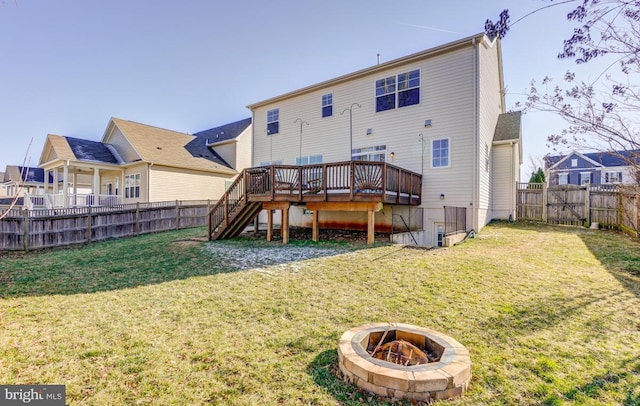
x: 550, y: 315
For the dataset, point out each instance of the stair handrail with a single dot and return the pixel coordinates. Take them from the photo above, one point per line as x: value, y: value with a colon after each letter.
x: 232, y: 197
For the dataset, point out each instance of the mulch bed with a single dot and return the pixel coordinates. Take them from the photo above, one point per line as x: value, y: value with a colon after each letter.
x: 302, y: 234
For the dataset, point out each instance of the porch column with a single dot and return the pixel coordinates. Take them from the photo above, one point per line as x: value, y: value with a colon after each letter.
x: 95, y: 188
x: 46, y: 182
x: 56, y: 187
x: 65, y: 184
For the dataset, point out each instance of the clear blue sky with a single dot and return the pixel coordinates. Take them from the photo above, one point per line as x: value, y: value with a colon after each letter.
x: 67, y: 66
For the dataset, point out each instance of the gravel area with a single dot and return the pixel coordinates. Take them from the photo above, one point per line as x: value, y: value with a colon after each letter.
x: 274, y: 258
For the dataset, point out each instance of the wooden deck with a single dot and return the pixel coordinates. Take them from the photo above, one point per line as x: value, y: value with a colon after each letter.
x: 340, y: 186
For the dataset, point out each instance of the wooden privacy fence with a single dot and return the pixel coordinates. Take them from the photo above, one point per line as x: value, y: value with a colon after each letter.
x: 611, y: 206
x: 24, y: 230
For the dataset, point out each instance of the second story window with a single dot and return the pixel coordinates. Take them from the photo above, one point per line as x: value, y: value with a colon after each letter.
x: 327, y: 105
x: 273, y: 121
x: 386, y: 94
x: 407, y: 92
x: 409, y: 88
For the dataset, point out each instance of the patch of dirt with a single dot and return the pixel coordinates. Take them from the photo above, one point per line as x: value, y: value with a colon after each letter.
x: 188, y: 242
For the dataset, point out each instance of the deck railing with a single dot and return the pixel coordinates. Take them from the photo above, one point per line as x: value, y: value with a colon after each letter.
x: 390, y: 183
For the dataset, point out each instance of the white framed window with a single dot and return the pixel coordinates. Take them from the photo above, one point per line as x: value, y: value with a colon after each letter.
x: 376, y: 153
x: 574, y: 162
x: 386, y: 94
x: 585, y: 178
x: 132, y: 186
x: 273, y: 121
x: 612, y: 177
x: 309, y: 160
x: 563, y: 178
x: 267, y: 163
x: 327, y: 105
x: 407, y: 92
x: 440, y: 153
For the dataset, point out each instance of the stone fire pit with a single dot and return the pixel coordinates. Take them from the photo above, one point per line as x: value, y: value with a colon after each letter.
x: 446, y: 377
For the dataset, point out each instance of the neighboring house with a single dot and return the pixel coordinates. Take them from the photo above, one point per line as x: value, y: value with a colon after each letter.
x: 135, y: 162
x: 596, y: 168
x: 3, y: 188
x: 18, y: 181
x: 440, y: 113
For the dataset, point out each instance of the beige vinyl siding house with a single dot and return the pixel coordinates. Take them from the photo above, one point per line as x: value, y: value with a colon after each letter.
x: 170, y: 171
x: 166, y: 183
x: 461, y: 96
x: 136, y: 162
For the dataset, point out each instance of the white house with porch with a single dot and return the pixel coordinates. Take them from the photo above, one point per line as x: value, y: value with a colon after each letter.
x: 136, y: 162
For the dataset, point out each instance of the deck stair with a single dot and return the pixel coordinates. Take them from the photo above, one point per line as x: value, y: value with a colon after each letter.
x: 233, y: 212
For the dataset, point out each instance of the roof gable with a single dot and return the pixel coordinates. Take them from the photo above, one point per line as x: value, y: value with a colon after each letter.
x: 56, y: 147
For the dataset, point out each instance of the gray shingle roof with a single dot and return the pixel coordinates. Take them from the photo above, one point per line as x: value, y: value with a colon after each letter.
x: 606, y: 159
x: 86, y: 150
x: 508, y: 126
x: 224, y: 132
x: 199, y: 147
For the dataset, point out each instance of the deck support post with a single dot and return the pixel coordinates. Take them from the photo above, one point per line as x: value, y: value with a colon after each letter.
x: 315, y: 234
x: 370, y: 226
x: 284, y: 224
x: 369, y: 207
x: 284, y: 231
x: 269, y: 225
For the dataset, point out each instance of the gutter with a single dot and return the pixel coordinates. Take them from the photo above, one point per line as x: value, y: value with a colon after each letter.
x: 149, y: 181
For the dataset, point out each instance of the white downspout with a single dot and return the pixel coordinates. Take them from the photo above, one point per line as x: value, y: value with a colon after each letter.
x: 476, y: 175
x: 149, y: 182
x: 513, y: 181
